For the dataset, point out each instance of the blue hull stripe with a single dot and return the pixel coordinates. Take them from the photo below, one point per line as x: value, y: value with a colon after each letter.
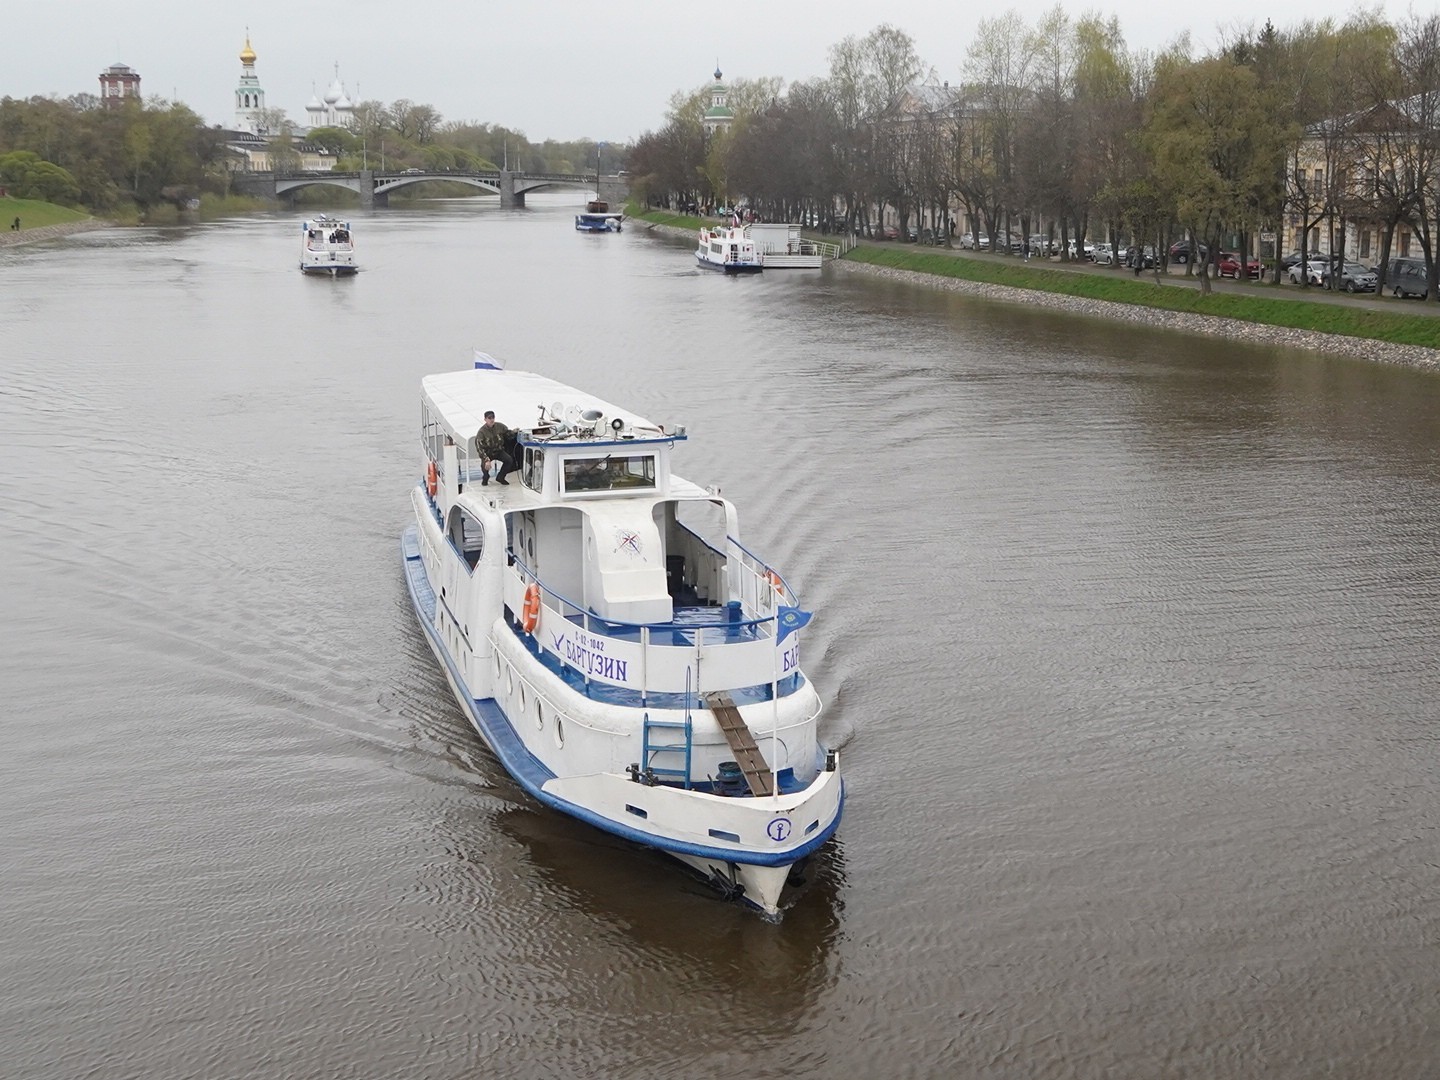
x: 490, y: 721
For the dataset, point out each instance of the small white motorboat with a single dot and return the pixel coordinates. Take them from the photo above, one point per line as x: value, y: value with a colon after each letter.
x: 327, y: 246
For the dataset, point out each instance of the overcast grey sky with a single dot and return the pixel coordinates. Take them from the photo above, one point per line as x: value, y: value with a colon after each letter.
x: 551, y: 68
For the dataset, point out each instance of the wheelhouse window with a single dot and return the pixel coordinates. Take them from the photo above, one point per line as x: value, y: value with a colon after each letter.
x: 533, y: 474
x: 610, y: 472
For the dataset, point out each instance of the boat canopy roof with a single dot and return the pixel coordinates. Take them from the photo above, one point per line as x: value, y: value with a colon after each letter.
x: 526, y: 401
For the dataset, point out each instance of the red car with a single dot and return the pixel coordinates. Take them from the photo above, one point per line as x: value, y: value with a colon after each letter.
x: 1229, y: 266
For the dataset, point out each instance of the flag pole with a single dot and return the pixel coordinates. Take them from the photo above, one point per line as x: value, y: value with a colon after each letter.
x: 775, y: 701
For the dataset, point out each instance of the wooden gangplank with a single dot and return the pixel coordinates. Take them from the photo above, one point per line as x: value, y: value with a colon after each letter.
x: 742, y: 743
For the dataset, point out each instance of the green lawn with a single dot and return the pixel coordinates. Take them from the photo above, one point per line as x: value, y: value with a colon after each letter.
x: 33, y: 213
x: 665, y: 217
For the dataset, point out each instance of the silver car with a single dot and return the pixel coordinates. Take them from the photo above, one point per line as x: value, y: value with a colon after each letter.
x: 1356, y: 278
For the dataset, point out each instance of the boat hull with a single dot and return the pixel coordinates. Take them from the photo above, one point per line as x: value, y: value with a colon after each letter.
x: 681, y: 823
x: 730, y: 267
x: 329, y: 270
x: 583, y: 223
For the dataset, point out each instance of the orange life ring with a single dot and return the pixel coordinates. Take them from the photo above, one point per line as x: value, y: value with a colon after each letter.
x: 774, y: 579
x: 530, y: 613
x: 432, y: 479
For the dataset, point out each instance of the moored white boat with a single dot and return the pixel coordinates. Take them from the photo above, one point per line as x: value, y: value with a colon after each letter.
x: 626, y: 658
x: 598, y: 217
x: 727, y: 248
x: 327, y: 246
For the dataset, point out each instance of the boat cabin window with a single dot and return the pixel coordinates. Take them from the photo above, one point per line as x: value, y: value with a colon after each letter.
x: 533, y: 471
x: 432, y: 435
x: 467, y: 534
x: 610, y: 472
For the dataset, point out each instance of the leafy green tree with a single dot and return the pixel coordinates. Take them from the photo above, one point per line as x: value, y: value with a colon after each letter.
x: 29, y: 176
x: 337, y: 140
x: 1106, y: 116
x: 1215, y: 146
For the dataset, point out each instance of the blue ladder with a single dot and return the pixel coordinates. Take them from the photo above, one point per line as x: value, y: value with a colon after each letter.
x: 656, y: 730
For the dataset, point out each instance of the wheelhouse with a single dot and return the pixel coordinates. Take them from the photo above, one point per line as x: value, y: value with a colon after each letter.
x: 637, y: 576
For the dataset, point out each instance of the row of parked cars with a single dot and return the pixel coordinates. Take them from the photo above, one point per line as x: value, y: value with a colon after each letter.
x: 1406, y: 276
x: 1353, y: 277
x: 1016, y: 245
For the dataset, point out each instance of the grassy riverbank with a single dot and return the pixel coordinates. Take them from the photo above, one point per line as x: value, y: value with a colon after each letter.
x: 34, y: 214
x: 665, y: 217
x: 1397, y: 327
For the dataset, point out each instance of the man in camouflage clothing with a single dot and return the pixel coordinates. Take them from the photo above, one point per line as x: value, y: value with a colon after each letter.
x: 491, y: 441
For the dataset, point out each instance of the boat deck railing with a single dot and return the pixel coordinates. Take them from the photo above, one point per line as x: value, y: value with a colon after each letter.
x: 733, y: 646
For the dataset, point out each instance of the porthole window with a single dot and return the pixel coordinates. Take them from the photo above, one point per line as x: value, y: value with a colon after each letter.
x: 509, y: 682
x: 539, y: 715
x: 497, y: 667
x: 522, y: 698
x: 559, y: 732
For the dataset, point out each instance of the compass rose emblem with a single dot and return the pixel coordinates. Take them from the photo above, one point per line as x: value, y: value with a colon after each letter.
x: 628, y: 542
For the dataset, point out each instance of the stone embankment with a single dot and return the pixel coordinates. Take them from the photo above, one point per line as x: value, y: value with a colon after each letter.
x: 1210, y: 325
x: 1187, y: 322
x: 10, y: 237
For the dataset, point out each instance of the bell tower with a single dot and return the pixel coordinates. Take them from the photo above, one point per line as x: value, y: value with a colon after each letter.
x: 249, y: 96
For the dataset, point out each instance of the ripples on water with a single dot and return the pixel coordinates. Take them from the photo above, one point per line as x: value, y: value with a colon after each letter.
x: 1129, y: 639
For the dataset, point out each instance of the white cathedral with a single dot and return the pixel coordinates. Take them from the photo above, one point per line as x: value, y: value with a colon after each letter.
x: 335, y: 109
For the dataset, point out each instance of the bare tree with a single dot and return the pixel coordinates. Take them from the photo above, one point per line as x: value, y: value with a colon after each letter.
x: 1417, y: 57
x: 999, y: 68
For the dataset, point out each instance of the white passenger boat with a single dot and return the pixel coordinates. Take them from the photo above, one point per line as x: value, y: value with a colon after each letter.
x: 327, y: 246
x: 727, y: 248
x: 598, y: 217
x: 626, y: 658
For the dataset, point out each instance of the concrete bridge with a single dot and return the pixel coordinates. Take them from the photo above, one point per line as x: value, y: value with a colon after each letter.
x: 374, y: 187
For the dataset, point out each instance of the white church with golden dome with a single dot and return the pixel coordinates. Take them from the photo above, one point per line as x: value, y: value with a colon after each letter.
x: 249, y: 138
x: 335, y: 109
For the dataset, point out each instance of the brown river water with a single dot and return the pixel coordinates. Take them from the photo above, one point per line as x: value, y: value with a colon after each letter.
x: 1129, y: 640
